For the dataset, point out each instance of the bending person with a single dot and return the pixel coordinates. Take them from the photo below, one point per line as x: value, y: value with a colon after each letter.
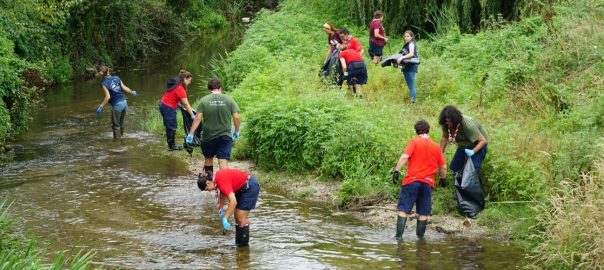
x: 241, y: 190
x: 113, y: 87
x: 469, y: 135
x: 175, y: 95
x: 216, y: 110
x: 354, y: 70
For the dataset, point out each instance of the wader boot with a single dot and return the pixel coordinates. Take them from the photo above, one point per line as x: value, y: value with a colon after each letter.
x: 242, y: 235
x: 117, y: 123
x: 209, y: 170
x: 421, y: 228
x: 170, y: 134
x: 400, y: 227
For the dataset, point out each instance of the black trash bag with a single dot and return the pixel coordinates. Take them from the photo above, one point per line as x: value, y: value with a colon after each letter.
x: 391, y: 60
x: 468, y: 192
x: 332, y: 69
x: 187, y: 122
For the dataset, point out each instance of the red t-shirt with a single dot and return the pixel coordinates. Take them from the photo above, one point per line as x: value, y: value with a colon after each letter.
x: 354, y: 44
x: 376, y: 24
x: 424, y: 159
x: 350, y: 55
x: 172, y: 98
x: 230, y: 180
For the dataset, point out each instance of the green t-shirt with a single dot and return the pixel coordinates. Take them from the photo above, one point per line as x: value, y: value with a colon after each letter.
x: 468, y: 132
x: 217, y: 112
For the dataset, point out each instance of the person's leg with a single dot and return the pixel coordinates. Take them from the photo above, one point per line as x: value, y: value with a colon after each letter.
x: 242, y: 229
x: 209, y: 149
x: 458, y: 161
x: 406, y: 199
x: 246, y: 201
x: 122, y: 120
x: 410, y: 80
x: 169, y: 116
x: 424, y: 208
x: 115, y: 123
x: 223, y: 151
x: 478, y: 158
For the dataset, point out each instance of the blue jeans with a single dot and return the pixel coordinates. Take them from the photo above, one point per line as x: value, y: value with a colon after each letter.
x: 410, y: 79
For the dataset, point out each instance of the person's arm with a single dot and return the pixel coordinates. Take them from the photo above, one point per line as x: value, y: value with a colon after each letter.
x: 236, y: 121
x: 408, y: 55
x: 185, y: 103
x: 343, y: 65
x: 126, y: 88
x: 443, y: 143
x: 376, y: 33
x: 232, y: 204
x: 482, y: 141
x: 401, y: 162
x: 442, y: 171
x: 196, y: 122
x: 107, y: 96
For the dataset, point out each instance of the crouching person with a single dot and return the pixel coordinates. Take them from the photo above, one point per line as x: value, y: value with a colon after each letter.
x: 423, y: 158
x: 241, y: 190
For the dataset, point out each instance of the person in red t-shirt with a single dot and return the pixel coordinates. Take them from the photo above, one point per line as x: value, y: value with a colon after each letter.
x: 424, y: 158
x: 175, y: 94
x: 241, y: 190
x: 350, y: 42
x: 377, y: 37
x: 354, y: 70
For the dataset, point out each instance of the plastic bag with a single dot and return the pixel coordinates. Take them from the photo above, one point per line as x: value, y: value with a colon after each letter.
x: 468, y: 192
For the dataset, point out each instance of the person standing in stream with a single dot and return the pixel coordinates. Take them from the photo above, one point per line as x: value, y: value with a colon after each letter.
x: 175, y: 95
x: 423, y: 158
x: 113, y: 87
x: 218, y: 113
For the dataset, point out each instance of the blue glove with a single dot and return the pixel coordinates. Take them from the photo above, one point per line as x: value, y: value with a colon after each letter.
x: 189, y: 138
x: 469, y: 152
x: 225, y: 224
x: 235, y: 135
x: 134, y: 94
x: 192, y: 116
x: 99, y: 109
x: 221, y: 212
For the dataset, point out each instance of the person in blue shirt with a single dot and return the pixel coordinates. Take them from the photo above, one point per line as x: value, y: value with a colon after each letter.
x: 113, y: 87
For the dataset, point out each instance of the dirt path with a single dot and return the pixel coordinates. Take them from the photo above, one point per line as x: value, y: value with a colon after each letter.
x: 381, y: 215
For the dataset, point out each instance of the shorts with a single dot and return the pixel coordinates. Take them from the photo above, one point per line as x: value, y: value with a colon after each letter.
x: 357, y: 73
x: 417, y: 193
x: 219, y: 147
x: 375, y: 49
x: 247, y: 196
x: 169, y: 116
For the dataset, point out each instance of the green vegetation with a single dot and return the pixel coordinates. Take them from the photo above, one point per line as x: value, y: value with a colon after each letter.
x: 535, y: 84
x: 19, y: 253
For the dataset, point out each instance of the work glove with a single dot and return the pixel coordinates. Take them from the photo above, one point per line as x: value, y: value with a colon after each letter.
x: 192, y: 116
x: 189, y: 138
x: 235, y: 135
x: 346, y: 74
x: 99, y: 110
x: 225, y: 224
x: 469, y: 152
x: 442, y: 182
x: 134, y: 93
x: 221, y: 212
x: 395, y: 177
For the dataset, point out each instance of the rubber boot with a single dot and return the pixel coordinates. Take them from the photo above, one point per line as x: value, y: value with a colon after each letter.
x: 116, y: 135
x: 209, y: 170
x: 242, y: 235
x: 170, y: 134
x: 400, y: 227
x: 421, y: 228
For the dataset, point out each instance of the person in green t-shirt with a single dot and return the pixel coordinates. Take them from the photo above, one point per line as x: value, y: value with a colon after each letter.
x: 218, y: 112
x: 469, y: 135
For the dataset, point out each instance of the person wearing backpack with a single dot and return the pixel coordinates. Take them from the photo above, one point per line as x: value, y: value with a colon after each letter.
x: 113, y: 87
x: 410, y: 62
x: 423, y: 158
x: 175, y: 95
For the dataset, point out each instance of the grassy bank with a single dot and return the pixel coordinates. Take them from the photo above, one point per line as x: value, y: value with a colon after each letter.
x: 535, y: 84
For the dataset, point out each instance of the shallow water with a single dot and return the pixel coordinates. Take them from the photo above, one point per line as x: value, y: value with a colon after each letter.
x: 138, y: 207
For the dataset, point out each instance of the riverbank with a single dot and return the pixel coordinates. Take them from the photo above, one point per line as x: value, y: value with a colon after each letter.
x: 380, y: 214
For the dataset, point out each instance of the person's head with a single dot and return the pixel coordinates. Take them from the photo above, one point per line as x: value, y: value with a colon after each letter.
x: 214, y: 84
x: 378, y: 14
x: 104, y: 71
x: 205, y: 183
x: 450, y: 116
x: 421, y: 127
x: 329, y: 28
x: 344, y: 34
x: 186, y: 77
x: 409, y: 36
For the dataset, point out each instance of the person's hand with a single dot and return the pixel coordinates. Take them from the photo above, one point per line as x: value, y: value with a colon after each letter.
x: 469, y: 152
x: 398, y: 61
x: 134, y: 93
x: 235, y: 135
x: 395, y: 177
x: 99, y: 109
x: 442, y: 182
x: 192, y: 116
x: 385, y: 40
x: 221, y: 212
x: 345, y: 73
x: 189, y: 138
x: 225, y: 224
